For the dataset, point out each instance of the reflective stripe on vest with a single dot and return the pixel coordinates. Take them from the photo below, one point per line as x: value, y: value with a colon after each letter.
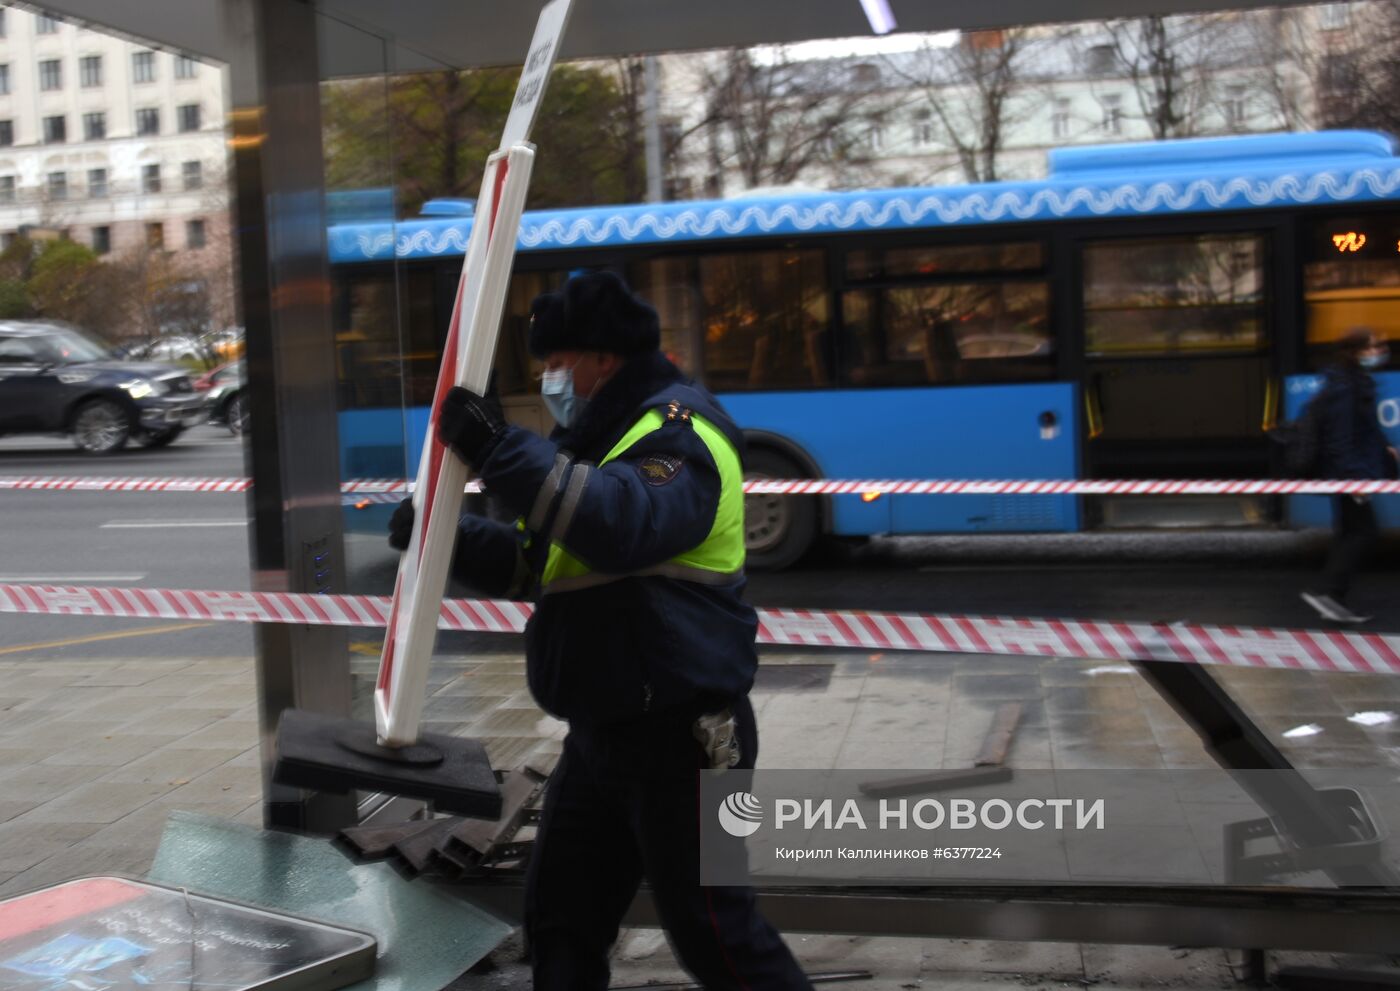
x: 717, y: 560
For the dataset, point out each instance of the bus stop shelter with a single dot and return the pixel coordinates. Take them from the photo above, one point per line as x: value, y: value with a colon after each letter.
x: 278, y: 52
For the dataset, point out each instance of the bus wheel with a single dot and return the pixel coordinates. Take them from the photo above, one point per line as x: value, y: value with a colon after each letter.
x: 778, y: 529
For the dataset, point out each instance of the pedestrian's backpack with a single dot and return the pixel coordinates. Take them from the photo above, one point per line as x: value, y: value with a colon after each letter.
x: 1301, y: 440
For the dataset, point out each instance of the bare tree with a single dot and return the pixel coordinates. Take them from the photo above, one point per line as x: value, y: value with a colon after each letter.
x: 1286, y: 62
x: 1357, y: 71
x: 1169, y: 63
x: 974, y: 90
x: 775, y: 121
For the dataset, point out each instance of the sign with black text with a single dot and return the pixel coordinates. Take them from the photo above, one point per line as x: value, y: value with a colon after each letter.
x: 544, y: 47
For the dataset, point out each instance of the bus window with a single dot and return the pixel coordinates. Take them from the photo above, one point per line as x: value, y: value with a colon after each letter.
x: 421, y: 338
x: 386, y: 341
x: 1174, y: 295
x: 766, y: 320
x: 1351, y: 278
x: 948, y: 333
x: 671, y: 285
x: 944, y: 259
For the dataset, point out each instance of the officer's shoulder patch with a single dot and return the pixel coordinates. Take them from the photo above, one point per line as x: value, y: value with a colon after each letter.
x: 658, y: 469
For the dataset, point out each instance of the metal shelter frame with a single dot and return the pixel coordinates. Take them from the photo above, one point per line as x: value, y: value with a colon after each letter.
x: 278, y: 52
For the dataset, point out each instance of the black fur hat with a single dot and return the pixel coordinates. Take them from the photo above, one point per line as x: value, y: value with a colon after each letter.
x: 593, y: 312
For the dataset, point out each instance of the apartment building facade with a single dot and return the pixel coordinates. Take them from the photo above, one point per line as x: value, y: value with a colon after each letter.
x: 112, y: 144
x: 923, y: 116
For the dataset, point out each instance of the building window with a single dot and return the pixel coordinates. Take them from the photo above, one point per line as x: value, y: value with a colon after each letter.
x: 185, y: 67
x: 45, y: 24
x: 4, y: 80
x: 150, y: 178
x: 1234, y: 106
x: 1100, y: 60
x: 193, y: 173
x: 55, y: 130
x: 194, y: 233
x: 1059, y: 118
x: 51, y: 74
x: 7, y: 133
x: 7, y: 189
x: 923, y: 128
x: 875, y: 137
x: 90, y: 70
x: 143, y: 67
x: 58, y: 185
x: 97, y: 183
x: 94, y: 126
x: 188, y: 117
x: 101, y: 240
x: 1334, y: 16
x: 148, y: 121
x: 155, y: 236
x: 3, y: 27
x: 1112, y: 113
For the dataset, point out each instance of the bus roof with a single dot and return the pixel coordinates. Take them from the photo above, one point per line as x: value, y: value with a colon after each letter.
x: 1194, y: 175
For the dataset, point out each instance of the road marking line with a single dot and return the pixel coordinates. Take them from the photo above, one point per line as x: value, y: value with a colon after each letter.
x: 62, y: 579
x: 166, y: 524
x: 97, y: 637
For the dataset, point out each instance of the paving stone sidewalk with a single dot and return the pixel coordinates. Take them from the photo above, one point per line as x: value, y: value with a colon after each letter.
x: 95, y: 753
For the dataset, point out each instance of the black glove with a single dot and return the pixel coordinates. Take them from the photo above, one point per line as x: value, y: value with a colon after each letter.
x: 401, y: 526
x: 469, y: 424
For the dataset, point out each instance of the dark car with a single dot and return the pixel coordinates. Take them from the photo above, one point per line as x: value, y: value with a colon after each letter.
x: 223, y: 391
x: 56, y: 379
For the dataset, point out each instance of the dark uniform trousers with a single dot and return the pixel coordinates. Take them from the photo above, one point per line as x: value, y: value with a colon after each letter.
x: 623, y: 804
x: 1356, y: 535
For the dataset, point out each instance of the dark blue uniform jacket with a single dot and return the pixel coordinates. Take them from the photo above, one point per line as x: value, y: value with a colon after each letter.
x: 1353, y: 444
x: 634, y: 646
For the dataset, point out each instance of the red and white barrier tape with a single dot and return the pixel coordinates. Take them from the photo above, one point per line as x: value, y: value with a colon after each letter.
x: 1189, y: 643
x: 392, y: 489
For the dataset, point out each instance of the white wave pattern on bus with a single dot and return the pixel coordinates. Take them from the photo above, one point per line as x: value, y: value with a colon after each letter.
x: 886, y: 210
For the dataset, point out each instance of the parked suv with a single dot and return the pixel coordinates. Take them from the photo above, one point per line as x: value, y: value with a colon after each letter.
x: 56, y: 379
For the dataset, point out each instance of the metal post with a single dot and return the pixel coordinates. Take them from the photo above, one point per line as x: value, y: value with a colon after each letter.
x: 651, y: 123
x: 1231, y: 737
x: 295, y: 538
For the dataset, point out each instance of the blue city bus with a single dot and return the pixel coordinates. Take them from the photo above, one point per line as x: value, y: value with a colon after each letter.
x: 1146, y: 310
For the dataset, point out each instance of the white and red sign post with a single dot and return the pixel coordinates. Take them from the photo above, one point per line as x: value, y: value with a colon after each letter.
x: 466, y: 361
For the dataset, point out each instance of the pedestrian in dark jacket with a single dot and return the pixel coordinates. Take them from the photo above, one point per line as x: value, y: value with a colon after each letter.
x: 630, y: 538
x: 1353, y: 446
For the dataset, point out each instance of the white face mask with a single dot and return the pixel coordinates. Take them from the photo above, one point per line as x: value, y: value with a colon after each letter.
x: 557, y: 388
x: 1375, y: 359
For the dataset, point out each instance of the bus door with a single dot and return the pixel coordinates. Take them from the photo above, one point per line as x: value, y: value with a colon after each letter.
x: 1176, y: 371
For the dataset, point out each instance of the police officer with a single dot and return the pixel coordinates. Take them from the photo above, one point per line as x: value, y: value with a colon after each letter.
x: 631, y: 536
